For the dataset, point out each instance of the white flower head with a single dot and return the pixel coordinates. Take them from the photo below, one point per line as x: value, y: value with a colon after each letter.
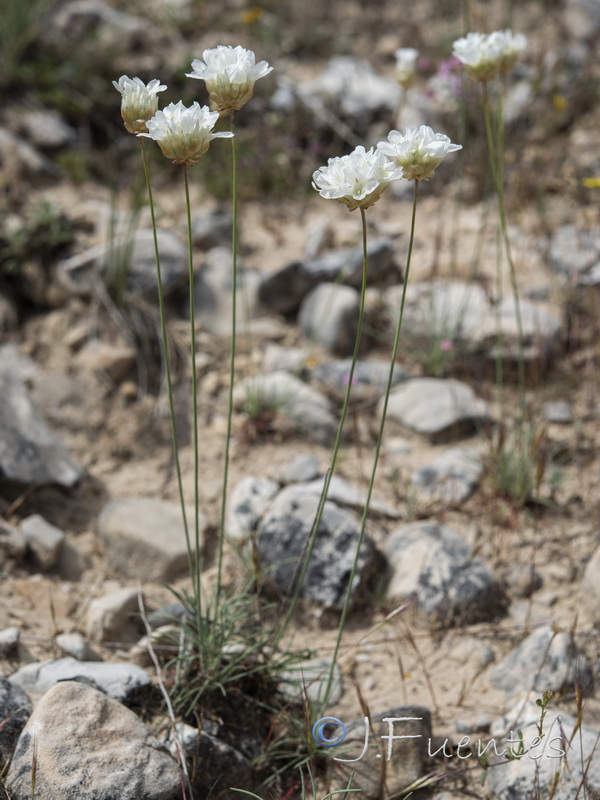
x: 184, y: 134
x: 485, y: 56
x: 139, y: 101
x: 419, y: 151
x: 358, y: 179
x: 406, y: 64
x: 230, y: 74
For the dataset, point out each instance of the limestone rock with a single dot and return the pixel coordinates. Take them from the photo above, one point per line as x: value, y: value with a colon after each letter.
x: 122, y: 682
x: 145, y: 537
x: 89, y: 746
x: 435, y: 566
x: 282, y: 537
x: 247, y: 503
x: 43, y: 539
x: 441, y: 409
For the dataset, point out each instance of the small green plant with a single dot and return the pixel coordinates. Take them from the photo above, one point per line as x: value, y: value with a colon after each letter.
x: 517, y: 464
x: 45, y: 232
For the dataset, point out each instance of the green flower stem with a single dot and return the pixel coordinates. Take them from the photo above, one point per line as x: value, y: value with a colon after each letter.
x: 497, y: 177
x: 167, y: 359
x: 321, y: 507
x: 198, y: 569
x: 234, y: 246
x: 363, y: 523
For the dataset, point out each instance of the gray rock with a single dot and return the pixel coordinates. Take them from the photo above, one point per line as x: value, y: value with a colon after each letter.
x: 73, y: 644
x: 211, y: 228
x: 318, y: 240
x: 408, y: 757
x: 46, y: 128
x: 122, y: 682
x: 212, y: 292
x: 433, y: 565
x: 168, y: 614
x: 575, y: 252
x: 304, y: 467
x: 369, y: 380
x: 306, y: 410
x: 12, y: 543
x: 138, y: 251
x: 590, y: 587
x: 283, y: 535
x: 582, y: 18
x: 114, y: 617
x: 344, y: 494
x: 462, y: 314
x: 9, y: 641
x: 559, y: 412
x: 30, y: 451
x: 145, y: 537
x: 247, y: 504
x: 18, y: 151
x: 88, y: 747
x: 523, y: 580
x: 15, y: 709
x: 531, y: 775
x: 441, y: 409
x: 284, y: 291
x: 310, y: 679
x: 43, y: 539
x: 451, y: 477
x: 329, y: 317
x: 352, y: 86
x: 103, y: 28
x: 289, y: 359
x: 545, y: 660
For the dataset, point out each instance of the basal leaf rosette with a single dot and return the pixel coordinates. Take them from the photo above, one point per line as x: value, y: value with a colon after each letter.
x: 358, y: 179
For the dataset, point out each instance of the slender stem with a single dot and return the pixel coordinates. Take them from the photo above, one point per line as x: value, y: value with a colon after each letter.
x: 198, y: 569
x: 321, y: 507
x: 167, y: 359
x: 497, y: 176
x: 234, y: 243
x: 363, y: 523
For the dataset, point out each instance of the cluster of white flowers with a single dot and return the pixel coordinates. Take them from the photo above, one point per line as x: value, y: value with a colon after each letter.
x: 487, y: 55
x: 406, y: 65
x: 184, y: 134
x: 139, y: 102
x: 360, y: 178
x: 230, y: 74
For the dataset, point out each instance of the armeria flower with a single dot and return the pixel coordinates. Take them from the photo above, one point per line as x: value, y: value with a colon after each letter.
x: 485, y: 56
x: 358, y: 179
x: 230, y: 74
x: 139, y: 102
x: 406, y: 64
x: 184, y: 134
x: 418, y: 151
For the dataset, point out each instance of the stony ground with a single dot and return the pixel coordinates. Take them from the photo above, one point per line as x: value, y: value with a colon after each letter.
x: 90, y: 362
